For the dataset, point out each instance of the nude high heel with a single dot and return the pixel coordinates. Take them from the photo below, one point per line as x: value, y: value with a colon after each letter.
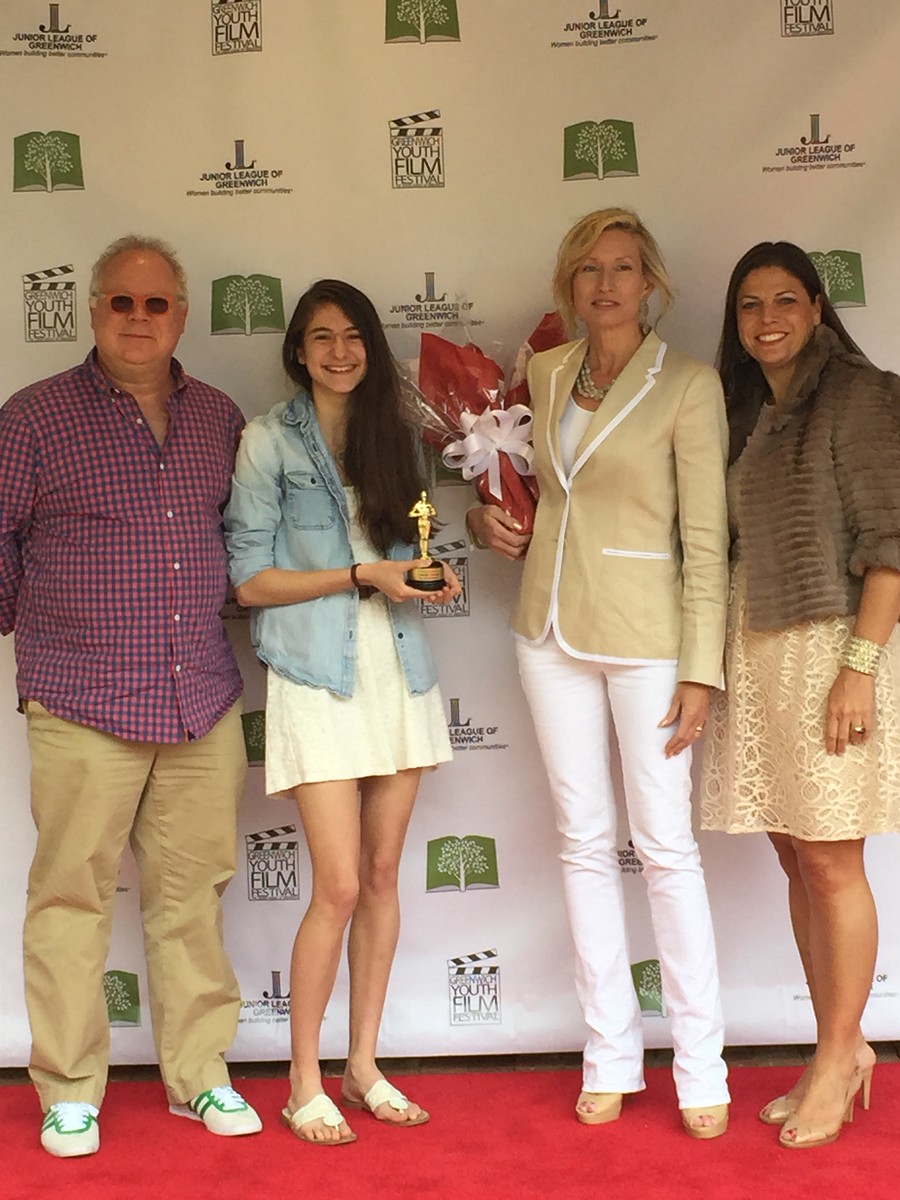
x: 782, y: 1108
x: 607, y: 1107
x: 807, y: 1137
x: 865, y: 1087
x: 777, y: 1111
x: 719, y: 1114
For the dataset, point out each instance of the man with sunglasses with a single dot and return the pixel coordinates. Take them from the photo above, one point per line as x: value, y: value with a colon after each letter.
x: 113, y: 476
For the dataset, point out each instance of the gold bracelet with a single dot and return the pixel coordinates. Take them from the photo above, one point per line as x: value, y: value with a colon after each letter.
x: 861, y: 655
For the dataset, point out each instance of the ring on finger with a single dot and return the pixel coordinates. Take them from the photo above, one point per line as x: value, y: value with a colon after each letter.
x: 857, y: 729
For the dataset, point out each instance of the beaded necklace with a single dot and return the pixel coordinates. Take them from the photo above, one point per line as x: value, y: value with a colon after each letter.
x: 586, y: 385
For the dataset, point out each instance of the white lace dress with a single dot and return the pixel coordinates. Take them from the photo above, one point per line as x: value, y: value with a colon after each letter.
x: 765, y: 767
x: 313, y: 735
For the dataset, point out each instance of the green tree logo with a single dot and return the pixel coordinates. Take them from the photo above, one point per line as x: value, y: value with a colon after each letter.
x: 247, y: 304
x: 421, y: 21
x: 122, y: 994
x: 598, y: 145
x: 247, y: 299
x: 461, y: 863
x: 254, y: 724
x: 599, y: 149
x: 47, y: 162
x: 842, y: 277
x: 48, y: 154
x: 647, y: 981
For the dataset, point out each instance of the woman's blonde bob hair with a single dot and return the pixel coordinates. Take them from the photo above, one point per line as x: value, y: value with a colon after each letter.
x: 577, y: 243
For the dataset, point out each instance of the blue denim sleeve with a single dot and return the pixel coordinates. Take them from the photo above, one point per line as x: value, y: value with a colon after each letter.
x: 253, y: 513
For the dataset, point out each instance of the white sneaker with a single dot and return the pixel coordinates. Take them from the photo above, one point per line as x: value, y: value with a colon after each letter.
x: 70, y: 1129
x: 222, y: 1110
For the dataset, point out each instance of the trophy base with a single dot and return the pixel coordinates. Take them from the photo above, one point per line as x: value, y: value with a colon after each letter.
x: 429, y: 578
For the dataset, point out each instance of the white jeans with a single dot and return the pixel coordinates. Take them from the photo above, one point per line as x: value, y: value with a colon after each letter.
x: 571, y: 703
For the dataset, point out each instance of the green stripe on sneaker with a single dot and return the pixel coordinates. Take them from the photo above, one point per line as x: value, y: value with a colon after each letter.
x: 201, y: 1103
x: 224, y: 1100
x: 65, y: 1124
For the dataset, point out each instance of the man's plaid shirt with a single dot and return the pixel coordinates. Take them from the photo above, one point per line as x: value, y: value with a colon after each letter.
x: 112, y: 560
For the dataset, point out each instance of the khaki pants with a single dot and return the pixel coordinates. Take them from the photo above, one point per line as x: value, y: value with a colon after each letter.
x: 177, y: 804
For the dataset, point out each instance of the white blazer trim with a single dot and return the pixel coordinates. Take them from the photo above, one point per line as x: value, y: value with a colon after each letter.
x: 635, y: 553
x: 552, y: 415
x: 609, y: 658
x: 557, y: 571
x: 629, y: 408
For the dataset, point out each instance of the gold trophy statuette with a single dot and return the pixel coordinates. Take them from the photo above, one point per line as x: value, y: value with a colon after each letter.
x: 430, y: 577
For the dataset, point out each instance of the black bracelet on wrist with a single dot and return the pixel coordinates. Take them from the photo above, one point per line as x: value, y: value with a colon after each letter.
x: 365, y: 590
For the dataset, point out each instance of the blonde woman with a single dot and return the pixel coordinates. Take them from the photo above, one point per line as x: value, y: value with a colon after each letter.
x: 620, y: 625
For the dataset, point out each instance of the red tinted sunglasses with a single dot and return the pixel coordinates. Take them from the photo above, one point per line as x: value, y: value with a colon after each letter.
x: 124, y: 302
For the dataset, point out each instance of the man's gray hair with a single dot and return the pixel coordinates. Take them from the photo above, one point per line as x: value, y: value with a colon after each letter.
x: 134, y: 241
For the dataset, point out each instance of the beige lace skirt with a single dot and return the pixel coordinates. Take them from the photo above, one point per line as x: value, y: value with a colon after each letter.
x: 765, y: 767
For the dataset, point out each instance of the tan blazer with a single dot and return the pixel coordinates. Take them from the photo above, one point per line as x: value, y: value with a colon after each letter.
x: 629, y: 558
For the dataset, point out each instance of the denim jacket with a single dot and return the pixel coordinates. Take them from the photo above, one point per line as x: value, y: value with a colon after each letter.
x: 288, y: 509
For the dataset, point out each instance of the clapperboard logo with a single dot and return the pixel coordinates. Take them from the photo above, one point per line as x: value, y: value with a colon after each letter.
x: 273, y: 864
x: 474, y: 983
x: 647, y: 980
x: 50, y: 305
x: 417, y: 150
x: 449, y: 553
x: 806, y: 20
x: 236, y: 26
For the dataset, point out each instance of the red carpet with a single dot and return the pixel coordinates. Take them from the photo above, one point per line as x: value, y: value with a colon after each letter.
x: 497, y: 1136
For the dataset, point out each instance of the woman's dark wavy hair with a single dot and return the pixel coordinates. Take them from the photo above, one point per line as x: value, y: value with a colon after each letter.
x: 742, y: 377
x: 380, y: 456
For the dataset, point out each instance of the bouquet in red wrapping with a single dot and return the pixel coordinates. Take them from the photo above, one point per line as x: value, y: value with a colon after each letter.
x: 482, y: 427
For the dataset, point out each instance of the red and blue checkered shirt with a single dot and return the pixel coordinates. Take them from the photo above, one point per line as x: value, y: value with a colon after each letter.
x: 112, y: 559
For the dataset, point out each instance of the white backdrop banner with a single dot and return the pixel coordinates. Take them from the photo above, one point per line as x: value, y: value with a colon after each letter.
x: 433, y: 152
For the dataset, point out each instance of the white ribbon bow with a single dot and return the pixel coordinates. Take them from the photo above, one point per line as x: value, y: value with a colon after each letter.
x: 487, y: 434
